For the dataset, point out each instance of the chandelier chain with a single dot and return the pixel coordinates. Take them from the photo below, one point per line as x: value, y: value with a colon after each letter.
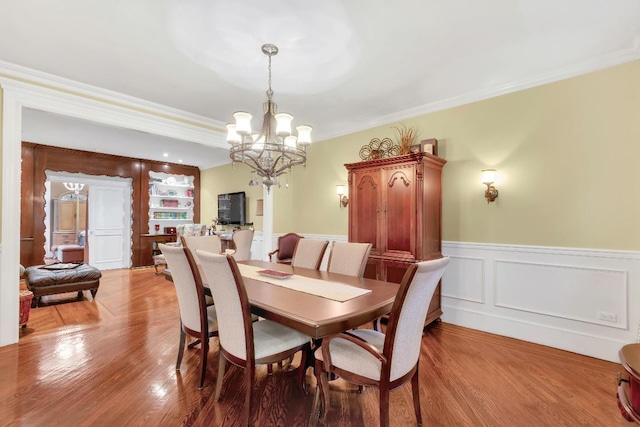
x: 269, y: 91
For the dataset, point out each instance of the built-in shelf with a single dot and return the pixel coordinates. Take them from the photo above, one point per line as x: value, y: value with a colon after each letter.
x: 167, y: 209
x: 170, y: 201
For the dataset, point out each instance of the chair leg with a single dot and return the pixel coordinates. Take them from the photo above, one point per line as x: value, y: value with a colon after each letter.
x: 415, y: 388
x: 315, y: 410
x: 221, y: 365
x: 204, y: 351
x: 384, y: 406
x: 322, y: 382
x: 194, y: 343
x: 376, y: 324
x: 247, y: 397
x: 183, y: 338
x: 301, y: 370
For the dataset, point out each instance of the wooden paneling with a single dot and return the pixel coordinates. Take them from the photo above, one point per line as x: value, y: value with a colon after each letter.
x: 36, y: 159
x: 26, y: 204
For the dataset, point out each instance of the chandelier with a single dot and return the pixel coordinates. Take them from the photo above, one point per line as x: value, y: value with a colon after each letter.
x: 273, y: 151
x: 74, y: 186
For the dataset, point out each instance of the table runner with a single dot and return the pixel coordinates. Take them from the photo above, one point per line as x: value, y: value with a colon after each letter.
x: 331, y: 290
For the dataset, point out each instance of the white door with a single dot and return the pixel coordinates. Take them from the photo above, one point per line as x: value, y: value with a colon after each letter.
x: 109, y: 227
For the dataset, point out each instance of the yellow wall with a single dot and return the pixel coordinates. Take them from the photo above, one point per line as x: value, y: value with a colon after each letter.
x: 566, y: 153
x: 226, y: 179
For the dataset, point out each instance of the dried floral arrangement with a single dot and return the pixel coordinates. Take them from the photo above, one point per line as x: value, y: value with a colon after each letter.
x: 405, y: 137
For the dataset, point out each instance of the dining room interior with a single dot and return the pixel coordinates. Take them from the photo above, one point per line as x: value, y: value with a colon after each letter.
x: 522, y: 179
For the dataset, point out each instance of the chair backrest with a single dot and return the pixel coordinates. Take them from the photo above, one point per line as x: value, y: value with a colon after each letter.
x: 349, y: 258
x: 287, y: 245
x: 242, y: 240
x: 204, y: 243
x: 188, y: 284
x: 309, y: 253
x: 189, y: 230
x: 406, y: 321
x: 235, y: 329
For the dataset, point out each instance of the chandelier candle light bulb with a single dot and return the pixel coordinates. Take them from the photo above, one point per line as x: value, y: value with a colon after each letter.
x: 275, y: 150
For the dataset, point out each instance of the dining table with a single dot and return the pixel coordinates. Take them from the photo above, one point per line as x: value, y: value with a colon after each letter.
x: 315, y: 302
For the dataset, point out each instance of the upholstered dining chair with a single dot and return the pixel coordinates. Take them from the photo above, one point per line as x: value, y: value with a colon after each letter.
x: 181, y: 230
x: 286, y: 248
x: 196, y: 318
x: 205, y: 243
x: 386, y: 361
x: 242, y: 342
x: 349, y: 258
x: 309, y: 253
x: 242, y: 241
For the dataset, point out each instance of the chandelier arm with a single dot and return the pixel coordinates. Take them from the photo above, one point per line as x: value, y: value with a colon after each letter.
x: 254, y: 165
x: 290, y: 165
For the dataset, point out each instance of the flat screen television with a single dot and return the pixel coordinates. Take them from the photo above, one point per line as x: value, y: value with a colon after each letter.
x: 232, y: 208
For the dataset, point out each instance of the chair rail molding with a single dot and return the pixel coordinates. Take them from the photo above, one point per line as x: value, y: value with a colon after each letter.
x: 573, y: 299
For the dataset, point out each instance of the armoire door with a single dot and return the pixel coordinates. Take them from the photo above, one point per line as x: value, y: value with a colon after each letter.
x: 399, y: 231
x: 364, y: 209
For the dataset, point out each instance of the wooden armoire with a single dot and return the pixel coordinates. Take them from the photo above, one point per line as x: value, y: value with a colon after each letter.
x: 395, y: 204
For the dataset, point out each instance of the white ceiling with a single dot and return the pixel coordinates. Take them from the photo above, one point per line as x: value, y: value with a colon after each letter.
x: 343, y: 65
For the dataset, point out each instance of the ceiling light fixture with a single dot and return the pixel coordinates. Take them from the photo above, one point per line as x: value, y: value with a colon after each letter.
x: 273, y: 151
x: 76, y: 187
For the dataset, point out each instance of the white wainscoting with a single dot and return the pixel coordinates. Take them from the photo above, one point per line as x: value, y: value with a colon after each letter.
x: 581, y: 300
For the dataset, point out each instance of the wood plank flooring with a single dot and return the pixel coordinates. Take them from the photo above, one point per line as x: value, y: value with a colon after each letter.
x: 111, y: 362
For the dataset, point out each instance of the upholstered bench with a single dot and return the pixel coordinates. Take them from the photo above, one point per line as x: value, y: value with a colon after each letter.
x: 70, y: 253
x: 60, y: 278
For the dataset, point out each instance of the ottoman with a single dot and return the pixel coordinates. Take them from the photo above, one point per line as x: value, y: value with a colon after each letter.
x: 60, y: 278
x: 70, y: 253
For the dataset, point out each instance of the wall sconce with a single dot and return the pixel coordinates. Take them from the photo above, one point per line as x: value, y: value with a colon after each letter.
x: 488, y: 178
x: 340, y: 191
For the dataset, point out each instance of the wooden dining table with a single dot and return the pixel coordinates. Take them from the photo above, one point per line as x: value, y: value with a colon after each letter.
x: 310, y: 314
x: 315, y: 315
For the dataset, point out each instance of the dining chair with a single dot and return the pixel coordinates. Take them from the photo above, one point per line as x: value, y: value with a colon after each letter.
x: 286, y: 247
x: 242, y: 242
x: 349, y: 258
x: 386, y: 361
x: 309, y: 253
x: 205, y: 243
x: 181, y: 230
x: 243, y: 342
x: 196, y: 318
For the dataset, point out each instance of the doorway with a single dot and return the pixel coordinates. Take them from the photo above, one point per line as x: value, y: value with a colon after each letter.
x: 78, y: 101
x: 106, y: 233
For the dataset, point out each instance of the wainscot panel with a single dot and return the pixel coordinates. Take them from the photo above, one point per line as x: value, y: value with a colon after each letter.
x: 580, y: 300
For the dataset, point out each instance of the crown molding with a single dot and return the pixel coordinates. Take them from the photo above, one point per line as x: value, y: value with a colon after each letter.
x: 588, y: 66
x: 188, y: 126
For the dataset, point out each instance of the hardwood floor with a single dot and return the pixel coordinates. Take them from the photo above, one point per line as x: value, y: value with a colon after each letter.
x: 111, y: 362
